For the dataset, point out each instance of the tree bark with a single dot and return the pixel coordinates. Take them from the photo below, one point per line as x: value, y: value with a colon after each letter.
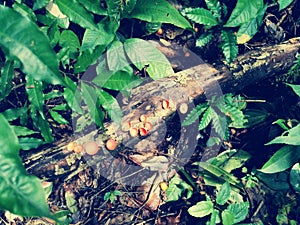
x: 182, y: 91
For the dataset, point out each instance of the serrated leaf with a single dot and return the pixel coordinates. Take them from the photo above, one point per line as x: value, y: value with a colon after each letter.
x: 201, y: 16
x: 77, y: 13
x: 204, y: 39
x: 22, y: 38
x: 6, y: 76
x: 206, y: 118
x: 201, y: 209
x: 283, y: 159
x: 227, y: 217
x: 223, y: 194
x: 90, y: 96
x: 194, y: 114
x: 20, y: 193
x: 229, y: 45
x: 111, y: 105
x: 219, y: 123
x: 239, y: 210
x: 215, y: 7
x: 159, y: 12
x: 250, y: 28
x: 27, y: 143
x: 284, y: 3
x: 143, y: 54
x: 295, y: 177
x: 244, y: 12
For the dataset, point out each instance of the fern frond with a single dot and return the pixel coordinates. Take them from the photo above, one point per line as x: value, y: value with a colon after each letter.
x: 206, y: 118
x: 215, y: 7
x: 204, y: 39
x: 229, y: 45
x: 194, y: 114
x: 220, y: 125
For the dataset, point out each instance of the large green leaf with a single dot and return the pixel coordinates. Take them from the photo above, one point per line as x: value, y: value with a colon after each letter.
x: 116, y: 58
x: 283, y: 159
x: 284, y: 3
x: 295, y: 177
x: 142, y: 54
x: 6, y: 76
x: 77, y: 13
x: 201, y: 209
x: 293, y: 137
x: 20, y: 193
x: 223, y: 194
x: 93, y: 6
x: 21, y: 38
x: 249, y: 29
x: 244, y: 12
x: 227, y: 217
x: 201, y: 16
x: 90, y: 96
x: 158, y: 11
x: 229, y: 45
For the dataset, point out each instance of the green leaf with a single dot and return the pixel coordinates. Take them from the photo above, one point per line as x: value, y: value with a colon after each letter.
x: 159, y: 12
x: 244, y: 12
x: 116, y: 58
x: 194, y: 114
x: 103, y: 35
x: 223, y: 194
x: 93, y: 6
x: 201, y: 209
x: 77, y: 13
x: 39, y: 4
x: 295, y: 177
x: 291, y: 139
x: 177, y: 188
x: 72, y: 95
x: 28, y: 143
x: 7, y: 74
x: 68, y: 39
x: 141, y: 53
x: 250, y: 28
x: 275, y: 181
x: 111, y: 105
x: 204, y: 39
x: 255, y: 117
x: 90, y: 96
x: 219, y: 123
x: 215, y: 218
x: 58, y: 118
x: 201, y: 16
x: 283, y: 159
x: 22, y: 39
x: 215, y: 7
x: 206, y: 118
x: 296, y: 88
x: 23, y: 131
x: 20, y: 193
x: 24, y: 10
x: 239, y: 210
x: 229, y: 45
x: 227, y: 217
x: 13, y: 114
x: 284, y: 3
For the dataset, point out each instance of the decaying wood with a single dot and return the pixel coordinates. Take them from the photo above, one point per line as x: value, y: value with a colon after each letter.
x: 181, y: 90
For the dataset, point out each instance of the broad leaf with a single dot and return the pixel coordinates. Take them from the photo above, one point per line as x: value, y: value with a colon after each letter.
x: 6, y: 76
x: 111, y: 105
x: 239, y: 210
x: 20, y: 193
x: 27, y: 143
x: 284, y: 3
x: 295, y: 177
x: 223, y: 194
x: 77, y: 13
x: 39, y: 4
x: 90, y: 96
x: 13, y: 114
x: 227, y: 217
x: 68, y: 39
x: 93, y: 6
x: 177, y: 188
x: 159, y: 11
x: 291, y: 139
x: 201, y: 16
x: 116, y: 58
x: 249, y: 29
x: 142, y: 54
x: 283, y: 159
x: 229, y: 45
x: 22, y: 39
x: 201, y: 209
x: 244, y: 12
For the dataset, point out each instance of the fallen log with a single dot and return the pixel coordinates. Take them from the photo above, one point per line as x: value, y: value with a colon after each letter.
x: 181, y: 92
